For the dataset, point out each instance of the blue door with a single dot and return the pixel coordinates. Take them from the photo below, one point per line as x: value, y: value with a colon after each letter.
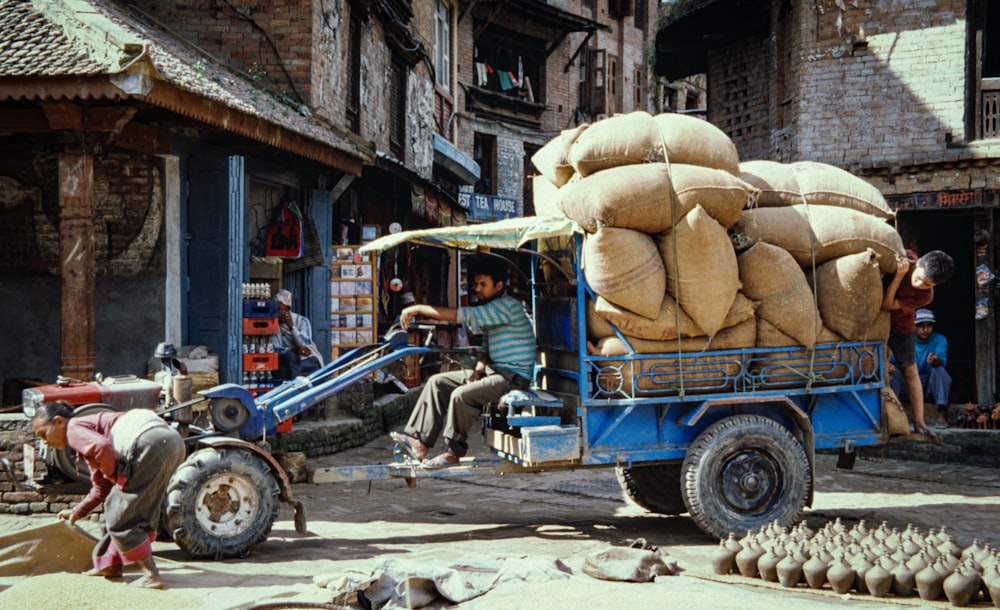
x: 216, y: 251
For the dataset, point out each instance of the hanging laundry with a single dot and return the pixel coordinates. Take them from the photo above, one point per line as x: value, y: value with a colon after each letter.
x: 520, y: 70
x: 480, y: 74
x: 513, y: 79
x: 505, y: 83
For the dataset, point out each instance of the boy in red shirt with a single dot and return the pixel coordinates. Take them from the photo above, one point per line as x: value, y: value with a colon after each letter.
x: 910, y: 289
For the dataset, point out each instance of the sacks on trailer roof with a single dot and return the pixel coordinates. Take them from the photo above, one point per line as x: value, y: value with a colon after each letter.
x: 849, y: 293
x: 820, y: 233
x: 696, y: 368
x: 624, y: 267
x: 552, y: 160
x: 650, y: 197
x: 701, y: 269
x: 670, y: 322
x: 545, y: 196
x: 813, y: 183
x: 771, y: 276
x: 622, y: 139
x: 695, y: 141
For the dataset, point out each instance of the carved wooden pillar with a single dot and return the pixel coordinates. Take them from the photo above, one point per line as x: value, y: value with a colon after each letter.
x: 78, y: 312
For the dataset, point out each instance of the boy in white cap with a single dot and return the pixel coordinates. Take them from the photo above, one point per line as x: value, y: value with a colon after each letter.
x: 297, y: 353
x: 931, y: 358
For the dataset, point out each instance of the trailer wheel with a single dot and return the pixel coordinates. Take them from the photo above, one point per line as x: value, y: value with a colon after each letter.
x: 744, y: 472
x: 65, y: 459
x: 654, y: 487
x: 221, y: 503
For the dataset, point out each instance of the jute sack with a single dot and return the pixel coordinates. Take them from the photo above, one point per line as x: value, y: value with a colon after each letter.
x: 545, y: 196
x: 697, y: 142
x: 784, y: 184
x: 640, y: 197
x: 623, y: 139
x: 849, y: 293
x: 701, y: 269
x: 624, y: 267
x: 771, y: 276
x: 552, y: 160
x: 671, y: 321
x: 879, y: 330
x: 822, y: 365
x: 896, y: 422
x: 821, y: 233
x: 695, y: 368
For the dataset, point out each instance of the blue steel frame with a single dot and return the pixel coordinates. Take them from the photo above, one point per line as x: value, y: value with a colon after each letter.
x: 650, y: 407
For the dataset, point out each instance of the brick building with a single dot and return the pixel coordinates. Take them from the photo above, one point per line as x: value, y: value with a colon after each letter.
x: 902, y: 94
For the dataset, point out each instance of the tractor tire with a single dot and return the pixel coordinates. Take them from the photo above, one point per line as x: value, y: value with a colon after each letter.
x: 744, y: 472
x: 221, y: 503
x: 654, y: 487
x: 65, y: 459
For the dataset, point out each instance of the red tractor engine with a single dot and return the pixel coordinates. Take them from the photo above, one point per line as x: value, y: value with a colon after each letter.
x: 120, y: 392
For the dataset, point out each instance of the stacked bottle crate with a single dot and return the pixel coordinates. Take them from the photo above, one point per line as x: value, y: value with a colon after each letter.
x: 260, y: 325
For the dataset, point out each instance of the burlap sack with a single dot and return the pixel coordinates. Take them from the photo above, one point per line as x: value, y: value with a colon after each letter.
x: 624, y: 267
x: 818, y: 183
x: 665, y: 326
x: 849, y: 293
x: 771, y: 276
x: 695, y: 368
x: 623, y: 139
x: 822, y: 365
x: 701, y: 269
x: 552, y: 160
x: 695, y: 141
x: 879, y: 329
x: 896, y: 422
x: 545, y: 196
x: 640, y: 197
x: 819, y: 233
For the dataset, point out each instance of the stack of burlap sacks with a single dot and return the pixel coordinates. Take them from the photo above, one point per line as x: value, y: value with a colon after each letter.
x: 689, y: 250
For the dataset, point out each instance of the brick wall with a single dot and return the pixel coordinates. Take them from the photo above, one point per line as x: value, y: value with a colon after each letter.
x: 271, y: 39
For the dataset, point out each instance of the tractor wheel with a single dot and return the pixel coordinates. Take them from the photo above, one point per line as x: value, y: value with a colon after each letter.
x: 221, y: 503
x: 744, y: 472
x: 65, y: 459
x: 654, y: 487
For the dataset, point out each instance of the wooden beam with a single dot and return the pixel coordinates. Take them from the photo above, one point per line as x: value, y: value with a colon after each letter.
x: 78, y: 303
x: 63, y: 116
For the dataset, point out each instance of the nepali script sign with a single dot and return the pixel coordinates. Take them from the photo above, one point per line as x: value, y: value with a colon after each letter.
x: 945, y: 200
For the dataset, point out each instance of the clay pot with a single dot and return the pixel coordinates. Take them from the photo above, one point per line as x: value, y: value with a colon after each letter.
x: 903, y: 580
x: 973, y: 549
x: 767, y: 564
x: 814, y: 570
x: 840, y: 575
x: 790, y: 568
x: 861, y: 565
x: 991, y: 580
x: 723, y: 558
x: 746, y: 560
x: 918, y: 562
x: 929, y: 582
x: 961, y: 585
x: 878, y: 579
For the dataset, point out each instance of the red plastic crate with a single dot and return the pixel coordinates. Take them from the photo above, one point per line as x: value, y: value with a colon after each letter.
x: 260, y: 362
x: 260, y: 326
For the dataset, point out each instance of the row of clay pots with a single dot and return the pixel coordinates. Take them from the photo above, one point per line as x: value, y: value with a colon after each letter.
x: 878, y: 561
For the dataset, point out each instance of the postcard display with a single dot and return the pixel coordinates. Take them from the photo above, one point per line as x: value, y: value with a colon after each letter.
x: 352, y: 299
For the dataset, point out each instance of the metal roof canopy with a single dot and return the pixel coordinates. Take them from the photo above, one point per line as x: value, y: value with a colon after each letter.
x: 698, y: 26
x: 543, y: 13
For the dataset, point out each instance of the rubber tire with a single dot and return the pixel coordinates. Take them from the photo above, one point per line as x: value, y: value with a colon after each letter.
x: 735, y: 448
x: 654, y: 487
x: 65, y: 459
x: 216, y: 471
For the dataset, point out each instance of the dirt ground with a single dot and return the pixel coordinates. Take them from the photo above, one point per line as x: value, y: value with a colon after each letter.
x: 528, y: 520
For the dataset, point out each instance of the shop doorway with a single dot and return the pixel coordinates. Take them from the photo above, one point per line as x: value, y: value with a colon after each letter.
x: 954, y: 302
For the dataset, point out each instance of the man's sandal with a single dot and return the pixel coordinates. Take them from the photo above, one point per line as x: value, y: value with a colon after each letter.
x: 923, y: 431
x: 408, y: 448
x: 445, y: 460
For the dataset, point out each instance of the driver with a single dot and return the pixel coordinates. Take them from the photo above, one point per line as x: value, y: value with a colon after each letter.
x: 449, y: 398
x: 132, y: 455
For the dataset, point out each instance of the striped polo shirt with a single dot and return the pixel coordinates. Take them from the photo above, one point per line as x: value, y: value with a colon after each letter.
x: 509, y: 339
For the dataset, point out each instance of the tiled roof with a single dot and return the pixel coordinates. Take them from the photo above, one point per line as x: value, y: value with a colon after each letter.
x: 31, y: 46
x: 51, y: 38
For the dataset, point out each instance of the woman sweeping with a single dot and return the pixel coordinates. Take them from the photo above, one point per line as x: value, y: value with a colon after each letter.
x: 132, y: 455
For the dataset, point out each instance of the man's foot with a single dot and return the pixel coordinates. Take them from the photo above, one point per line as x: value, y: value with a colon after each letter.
x: 412, y: 447
x: 108, y: 572
x: 444, y: 460
x: 148, y: 582
x: 922, y: 430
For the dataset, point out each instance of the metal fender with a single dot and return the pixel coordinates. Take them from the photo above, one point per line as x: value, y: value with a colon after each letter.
x: 279, y: 473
